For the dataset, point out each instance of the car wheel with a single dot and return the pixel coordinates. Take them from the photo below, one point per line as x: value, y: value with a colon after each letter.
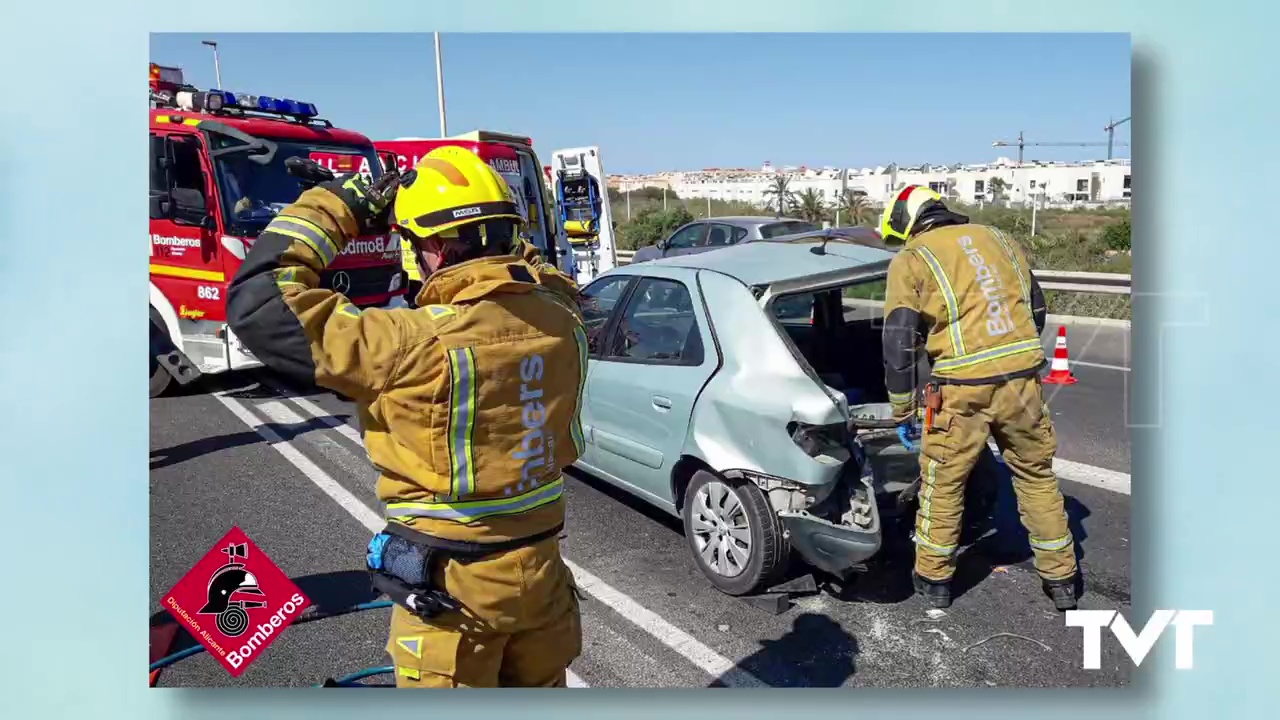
x: 735, y: 536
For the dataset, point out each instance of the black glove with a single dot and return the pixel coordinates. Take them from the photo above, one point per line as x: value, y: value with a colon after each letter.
x: 309, y: 172
x: 369, y: 202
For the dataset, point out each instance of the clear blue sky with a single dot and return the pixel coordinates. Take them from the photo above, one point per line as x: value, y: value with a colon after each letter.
x: 687, y: 101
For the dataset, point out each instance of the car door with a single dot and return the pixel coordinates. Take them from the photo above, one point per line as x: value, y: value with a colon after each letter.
x: 658, y: 355
x: 185, y: 262
x: 685, y: 240
x: 599, y: 309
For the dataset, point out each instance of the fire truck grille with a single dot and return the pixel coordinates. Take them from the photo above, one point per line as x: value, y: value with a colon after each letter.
x: 359, y: 282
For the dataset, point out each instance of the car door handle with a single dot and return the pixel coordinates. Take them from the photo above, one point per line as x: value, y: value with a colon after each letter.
x: 661, y: 403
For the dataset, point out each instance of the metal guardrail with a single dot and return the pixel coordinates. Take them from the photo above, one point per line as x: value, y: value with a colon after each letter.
x: 1060, y: 280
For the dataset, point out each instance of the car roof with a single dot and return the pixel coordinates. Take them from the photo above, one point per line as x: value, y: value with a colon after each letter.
x: 747, y: 220
x: 766, y: 262
x: 860, y: 235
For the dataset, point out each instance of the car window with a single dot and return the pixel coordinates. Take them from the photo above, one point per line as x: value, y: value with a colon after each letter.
x: 601, y: 297
x: 687, y: 237
x: 738, y: 234
x: 186, y: 172
x: 779, y: 229
x: 794, y: 308
x: 659, y: 325
x: 719, y: 236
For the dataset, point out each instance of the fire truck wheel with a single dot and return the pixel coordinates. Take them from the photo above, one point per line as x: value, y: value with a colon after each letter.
x: 160, y: 377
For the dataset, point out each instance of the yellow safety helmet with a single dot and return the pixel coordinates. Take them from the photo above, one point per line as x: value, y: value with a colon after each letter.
x: 455, y: 194
x: 900, y: 213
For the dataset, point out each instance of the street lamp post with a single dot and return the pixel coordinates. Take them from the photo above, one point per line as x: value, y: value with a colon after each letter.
x: 217, y: 70
x: 440, y: 87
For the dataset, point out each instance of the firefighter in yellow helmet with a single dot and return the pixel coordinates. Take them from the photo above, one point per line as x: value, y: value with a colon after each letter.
x: 968, y: 292
x: 469, y: 405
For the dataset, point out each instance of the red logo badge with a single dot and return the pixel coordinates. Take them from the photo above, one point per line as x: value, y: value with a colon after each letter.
x: 235, y: 601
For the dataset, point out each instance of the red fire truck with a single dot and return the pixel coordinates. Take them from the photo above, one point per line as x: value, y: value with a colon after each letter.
x: 218, y: 176
x: 514, y: 159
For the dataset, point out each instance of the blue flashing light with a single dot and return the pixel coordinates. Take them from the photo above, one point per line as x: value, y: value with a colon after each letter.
x: 266, y: 103
x: 303, y: 109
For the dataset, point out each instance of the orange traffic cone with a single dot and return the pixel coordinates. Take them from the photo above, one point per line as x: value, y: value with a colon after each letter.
x: 1060, y: 369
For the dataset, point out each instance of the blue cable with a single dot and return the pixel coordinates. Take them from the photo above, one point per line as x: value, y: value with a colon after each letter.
x: 304, y: 618
x: 350, y: 680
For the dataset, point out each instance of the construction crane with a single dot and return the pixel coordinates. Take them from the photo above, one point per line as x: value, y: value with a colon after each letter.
x: 1022, y: 143
x: 1111, y: 133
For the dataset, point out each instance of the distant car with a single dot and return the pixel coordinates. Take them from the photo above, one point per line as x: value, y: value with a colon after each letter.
x: 743, y: 391
x: 714, y: 233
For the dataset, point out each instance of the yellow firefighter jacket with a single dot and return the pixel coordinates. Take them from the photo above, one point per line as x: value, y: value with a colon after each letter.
x: 969, y: 291
x: 469, y: 403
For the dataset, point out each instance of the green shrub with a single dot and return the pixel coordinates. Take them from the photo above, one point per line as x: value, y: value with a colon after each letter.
x: 650, y: 225
x: 1116, y: 236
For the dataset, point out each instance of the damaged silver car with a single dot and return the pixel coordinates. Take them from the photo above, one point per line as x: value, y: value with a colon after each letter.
x: 743, y: 391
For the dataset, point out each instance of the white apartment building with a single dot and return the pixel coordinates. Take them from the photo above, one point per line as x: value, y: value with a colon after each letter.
x: 1059, y: 184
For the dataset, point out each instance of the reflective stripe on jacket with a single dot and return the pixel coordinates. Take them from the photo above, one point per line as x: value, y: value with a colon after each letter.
x: 969, y: 291
x: 469, y: 403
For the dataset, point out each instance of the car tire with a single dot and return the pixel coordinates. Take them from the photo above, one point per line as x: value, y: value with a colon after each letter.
x: 768, y: 552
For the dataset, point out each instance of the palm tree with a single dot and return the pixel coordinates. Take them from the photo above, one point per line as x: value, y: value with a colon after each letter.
x: 810, y: 206
x: 780, y: 190
x: 996, y: 187
x: 855, y: 206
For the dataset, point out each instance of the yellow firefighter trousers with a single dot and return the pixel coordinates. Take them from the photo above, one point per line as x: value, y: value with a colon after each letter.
x: 1014, y: 413
x: 519, y: 627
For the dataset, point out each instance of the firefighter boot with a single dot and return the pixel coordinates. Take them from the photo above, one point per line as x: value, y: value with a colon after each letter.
x: 936, y: 592
x: 1062, y: 592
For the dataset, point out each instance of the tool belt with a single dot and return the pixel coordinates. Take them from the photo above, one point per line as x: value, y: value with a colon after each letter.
x: 401, y: 560
x: 992, y: 380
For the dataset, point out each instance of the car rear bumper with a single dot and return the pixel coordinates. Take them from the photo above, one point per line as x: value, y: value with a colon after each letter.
x: 837, y: 549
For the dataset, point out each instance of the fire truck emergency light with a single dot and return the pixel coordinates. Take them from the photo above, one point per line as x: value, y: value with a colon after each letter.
x: 286, y: 106
x: 199, y: 101
x: 263, y: 103
x: 168, y: 76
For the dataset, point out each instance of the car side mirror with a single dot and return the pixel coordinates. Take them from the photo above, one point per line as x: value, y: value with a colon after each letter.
x: 663, y: 245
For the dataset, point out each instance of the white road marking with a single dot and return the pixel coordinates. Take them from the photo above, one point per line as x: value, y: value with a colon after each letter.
x: 575, y: 681
x: 708, y: 660
x: 1089, y: 475
x: 1078, y: 472
x: 316, y: 411
x: 703, y: 657
x: 1104, y: 366
x: 278, y: 413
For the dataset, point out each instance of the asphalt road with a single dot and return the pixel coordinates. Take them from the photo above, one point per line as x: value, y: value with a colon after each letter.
x: 650, y: 618
x: 1091, y: 416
